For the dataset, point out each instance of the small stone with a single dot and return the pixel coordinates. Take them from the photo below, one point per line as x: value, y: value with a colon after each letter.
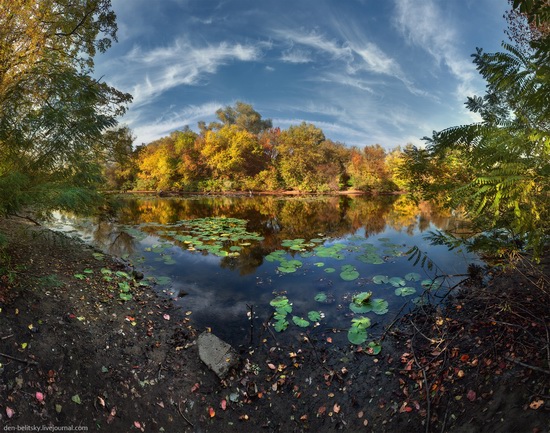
x: 219, y: 356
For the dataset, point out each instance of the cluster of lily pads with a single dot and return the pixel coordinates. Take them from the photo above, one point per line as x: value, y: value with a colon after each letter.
x: 362, y: 303
x: 283, y: 308
x: 220, y: 236
x: 368, y: 253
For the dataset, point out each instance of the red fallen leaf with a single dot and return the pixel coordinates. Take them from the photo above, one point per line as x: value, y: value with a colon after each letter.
x: 166, y: 317
x: 211, y: 412
x: 336, y: 408
x: 465, y: 358
x: 321, y: 410
x: 329, y: 340
x: 303, y: 417
x: 471, y: 395
x: 39, y: 396
x: 223, y: 404
x: 137, y: 424
x: 195, y: 387
x: 405, y: 408
x: 9, y: 412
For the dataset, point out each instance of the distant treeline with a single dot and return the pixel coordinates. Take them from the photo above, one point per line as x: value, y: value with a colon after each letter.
x: 244, y: 152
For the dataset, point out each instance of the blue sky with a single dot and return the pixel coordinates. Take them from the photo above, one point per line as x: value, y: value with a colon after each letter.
x: 364, y: 71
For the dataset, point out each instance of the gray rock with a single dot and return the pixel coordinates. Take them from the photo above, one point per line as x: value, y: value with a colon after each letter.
x: 219, y: 356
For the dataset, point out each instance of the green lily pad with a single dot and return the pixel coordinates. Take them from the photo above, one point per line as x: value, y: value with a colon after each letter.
x: 374, y: 348
x: 281, y: 305
x: 125, y: 296
x: 320, y: 297
x: 357, y: 335
x: 397, y: 281
x: 362, y: 298
x: 379, y: 306
x: 412, y: 276
x: 302, y: 323
x: 380, y: 279
x: 314, y: 316
x: 319, y: 264
x: 330, y: 270
x: 349, y: 273
x: 370, y: 258
x: 405, y: 291
x: 163, y: 281
x: 360, y: 322
x: 280, y: 325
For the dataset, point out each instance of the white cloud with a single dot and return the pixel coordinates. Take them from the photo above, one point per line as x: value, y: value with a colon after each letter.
x: 423, y: 24
x: 151, y: 73
x: 148, y: 128
x: 296, y: 55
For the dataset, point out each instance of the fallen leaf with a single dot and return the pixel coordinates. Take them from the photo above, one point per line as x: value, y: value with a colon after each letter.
x: 101, y: 401
x: 303, y: 417
x: 321, y: 410
x: 536, y: 404
x: 366, y: 422
x: 58, y: 408
x: 9, y: 412
x: 272, y: 366
x: 166, y: 317
x: 244, y: 417
x: 76, y: 399
x: 39, y: 396
x: 195, y: 387
x: 329, y: 340
x: 336, y: 408
x: 471, y: 395
x: 223, y: 404
x: 137, y: 424
x: 360, y: 414
x: 211, y: 412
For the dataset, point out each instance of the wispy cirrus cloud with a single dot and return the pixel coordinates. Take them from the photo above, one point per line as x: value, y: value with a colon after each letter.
x: 149, y: 73
x: 149, y: 128
x: 423, y: 25
x: 357, y: 53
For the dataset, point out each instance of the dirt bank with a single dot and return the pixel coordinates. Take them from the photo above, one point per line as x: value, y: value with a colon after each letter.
x: 74, y: 353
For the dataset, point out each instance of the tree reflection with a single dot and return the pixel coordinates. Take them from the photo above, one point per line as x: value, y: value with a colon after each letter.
x: 277, y: 218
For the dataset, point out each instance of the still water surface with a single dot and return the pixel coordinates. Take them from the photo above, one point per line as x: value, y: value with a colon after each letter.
x: 233, y: 254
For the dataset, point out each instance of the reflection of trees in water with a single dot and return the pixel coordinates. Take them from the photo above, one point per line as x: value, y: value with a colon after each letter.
x: 278, y: 218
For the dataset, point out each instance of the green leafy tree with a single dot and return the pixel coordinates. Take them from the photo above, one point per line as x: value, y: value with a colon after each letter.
x: 508, y: 152
x: 52, y: 112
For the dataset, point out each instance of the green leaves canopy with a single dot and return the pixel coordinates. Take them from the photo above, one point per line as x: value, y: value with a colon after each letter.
x: 507, y: 154
x: 52, y: 112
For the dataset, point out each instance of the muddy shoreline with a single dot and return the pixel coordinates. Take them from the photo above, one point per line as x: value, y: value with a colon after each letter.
x: 73, y: 353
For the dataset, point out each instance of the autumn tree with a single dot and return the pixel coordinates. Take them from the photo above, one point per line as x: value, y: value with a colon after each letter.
x: 232, y: 154
x: 367, y: 169
x: 299, y: 156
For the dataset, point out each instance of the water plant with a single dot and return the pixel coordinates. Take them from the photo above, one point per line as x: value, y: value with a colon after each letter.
x: 349, y: 273
x: 357, y: 333
x: 364, y: 303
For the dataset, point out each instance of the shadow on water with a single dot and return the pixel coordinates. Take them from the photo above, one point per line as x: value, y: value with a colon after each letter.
x: 230, y: 255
